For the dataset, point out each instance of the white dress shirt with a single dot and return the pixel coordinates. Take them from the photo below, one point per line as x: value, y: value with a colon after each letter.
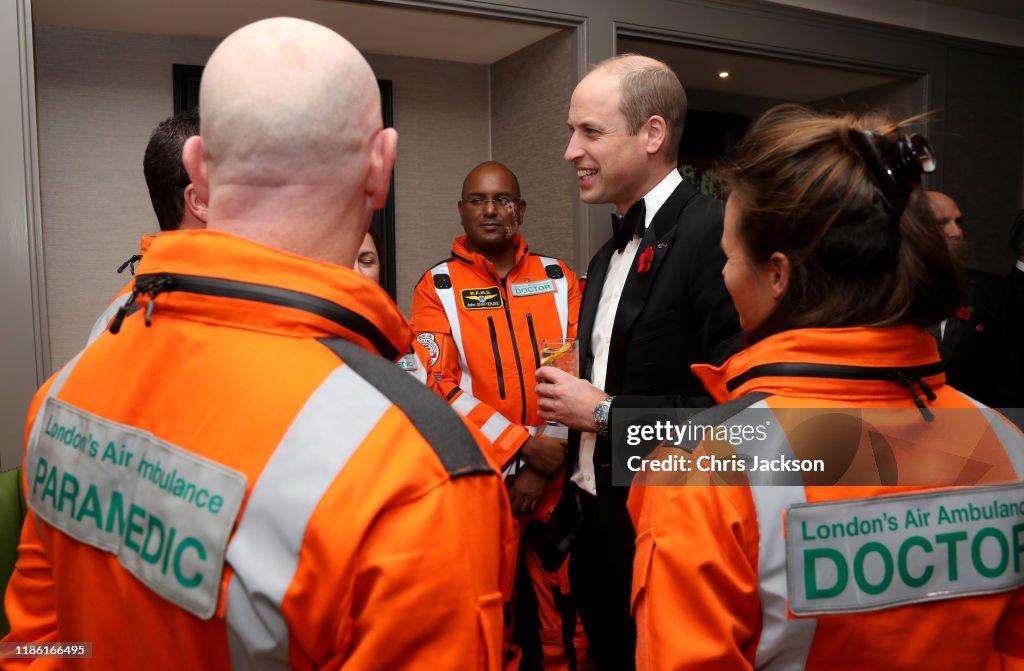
x: 600, y: 338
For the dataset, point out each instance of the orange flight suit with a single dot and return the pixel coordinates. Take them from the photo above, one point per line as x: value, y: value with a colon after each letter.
x: 225, y: 485
x: 484, y: 334
x: 741, y: 576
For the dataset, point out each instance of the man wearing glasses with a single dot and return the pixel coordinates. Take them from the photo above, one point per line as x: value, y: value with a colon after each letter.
x: 482, y: 316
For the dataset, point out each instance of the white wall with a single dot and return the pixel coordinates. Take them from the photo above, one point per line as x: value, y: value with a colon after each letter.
x: 23, y: 357
x: 99, y: 95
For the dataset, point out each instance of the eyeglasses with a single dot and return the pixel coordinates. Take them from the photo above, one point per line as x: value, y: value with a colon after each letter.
x: 896, y: 163
x: 499, y: 201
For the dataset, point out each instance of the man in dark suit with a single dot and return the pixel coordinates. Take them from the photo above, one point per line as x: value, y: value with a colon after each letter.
x: 1013, y: 333
x: 655, y: 303
x: 971, y: 341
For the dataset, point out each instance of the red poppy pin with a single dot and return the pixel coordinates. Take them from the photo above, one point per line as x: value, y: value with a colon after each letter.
x: 964, y: 312
x: 643, y: 262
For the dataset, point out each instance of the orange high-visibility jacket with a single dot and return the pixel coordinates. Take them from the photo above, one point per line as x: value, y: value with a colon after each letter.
x: 415, y: 362
x: 246, y: 482
x: 484, y: 336
x: 893, y: 571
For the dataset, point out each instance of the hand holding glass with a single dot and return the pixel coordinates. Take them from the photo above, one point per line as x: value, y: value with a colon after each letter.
x: 564, y: 354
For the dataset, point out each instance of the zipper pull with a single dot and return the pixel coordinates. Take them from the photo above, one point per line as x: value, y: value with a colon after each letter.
x: 149, y: 310
x: 157, y: 285
x: 122, y: 312
x: 908, y: 383
x: 130, y: 263
x: 929, y: 394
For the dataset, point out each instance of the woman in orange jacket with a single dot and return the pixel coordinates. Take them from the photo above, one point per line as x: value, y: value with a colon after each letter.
x: 825, y: 522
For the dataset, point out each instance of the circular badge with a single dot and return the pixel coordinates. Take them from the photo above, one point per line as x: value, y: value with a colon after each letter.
x: 429, y: 342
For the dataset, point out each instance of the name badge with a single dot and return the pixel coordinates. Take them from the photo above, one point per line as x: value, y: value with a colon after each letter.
x: 164, y: 512
x: 408, y: 362
x: 533, y: 288
x: 481, y: 299
x: 888, y: 551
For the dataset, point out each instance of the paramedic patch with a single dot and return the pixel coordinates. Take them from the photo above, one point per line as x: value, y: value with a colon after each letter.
x: 430, y: 343
x: 888, y: 551
x: 481, y: 299
x: 532, y: 288
x: 164, y: 512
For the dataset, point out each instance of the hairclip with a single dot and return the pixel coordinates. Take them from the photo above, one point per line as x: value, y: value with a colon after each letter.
x: 896, y: 163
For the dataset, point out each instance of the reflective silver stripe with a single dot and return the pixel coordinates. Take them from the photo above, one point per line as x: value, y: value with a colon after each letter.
x: 1007, y: 434
x: 264, y: 552
x: 58, y: 383
x: 103, y: 322
x: 784, y: 644
x: 561, y: 296
x: 451, y: 310
x: 465, y: 404
x: 494, y: 427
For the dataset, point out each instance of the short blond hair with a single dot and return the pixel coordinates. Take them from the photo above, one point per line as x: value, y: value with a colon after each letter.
x: 649, y: 87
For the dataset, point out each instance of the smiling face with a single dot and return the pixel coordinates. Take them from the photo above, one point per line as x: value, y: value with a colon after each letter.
x: 611, y: 165
x: 749, y: 284
x: 490, y: 226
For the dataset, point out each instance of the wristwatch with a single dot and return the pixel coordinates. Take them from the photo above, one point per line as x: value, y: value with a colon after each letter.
x: 601, y: 414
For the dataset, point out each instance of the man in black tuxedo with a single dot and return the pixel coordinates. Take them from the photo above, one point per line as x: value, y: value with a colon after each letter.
x: 1013, y: 322
x: 654, y: 303
x: 972, y: 340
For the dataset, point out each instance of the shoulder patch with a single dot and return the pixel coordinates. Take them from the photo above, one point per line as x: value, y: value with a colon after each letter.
x: 443, y: 281
x: 554, y: 271
x: 429, y: 342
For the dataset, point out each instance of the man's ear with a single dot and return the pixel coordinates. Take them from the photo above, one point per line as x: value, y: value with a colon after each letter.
x: 520, y: 211
x: 778, y: 265
x: 383, y: 149
x: 195, y: 206
x: 657, y: 134
x: 197, y: 168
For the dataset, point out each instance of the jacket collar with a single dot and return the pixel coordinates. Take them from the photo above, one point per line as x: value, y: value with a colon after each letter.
x: 145, y: 243
x: 206, y: 254
x: 462, y: 254
x: 863, y: 348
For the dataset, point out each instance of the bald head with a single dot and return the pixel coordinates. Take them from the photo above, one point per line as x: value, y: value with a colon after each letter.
x: 291, y: 131
x: 286, y: 95
x: 949, y: 216
x: 490, y: 168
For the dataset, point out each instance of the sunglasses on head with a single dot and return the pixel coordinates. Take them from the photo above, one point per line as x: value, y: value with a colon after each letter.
x: 896, y: 163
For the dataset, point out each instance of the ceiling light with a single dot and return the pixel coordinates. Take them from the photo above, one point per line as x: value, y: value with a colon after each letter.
x: 724, y: 74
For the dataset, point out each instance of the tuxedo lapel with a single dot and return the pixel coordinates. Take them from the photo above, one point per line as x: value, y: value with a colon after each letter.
x: 588, y: 306
x: 951, y: 339
x: 658, y: 239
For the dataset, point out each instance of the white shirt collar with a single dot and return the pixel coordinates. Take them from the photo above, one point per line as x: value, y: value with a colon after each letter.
x: 657, y: 196
x: 1020, y: 266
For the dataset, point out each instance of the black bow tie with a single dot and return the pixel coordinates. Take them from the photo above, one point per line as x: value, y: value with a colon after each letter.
x: 625, y: 227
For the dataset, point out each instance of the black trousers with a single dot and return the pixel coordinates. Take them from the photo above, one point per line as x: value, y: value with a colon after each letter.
x: 601, y: 574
